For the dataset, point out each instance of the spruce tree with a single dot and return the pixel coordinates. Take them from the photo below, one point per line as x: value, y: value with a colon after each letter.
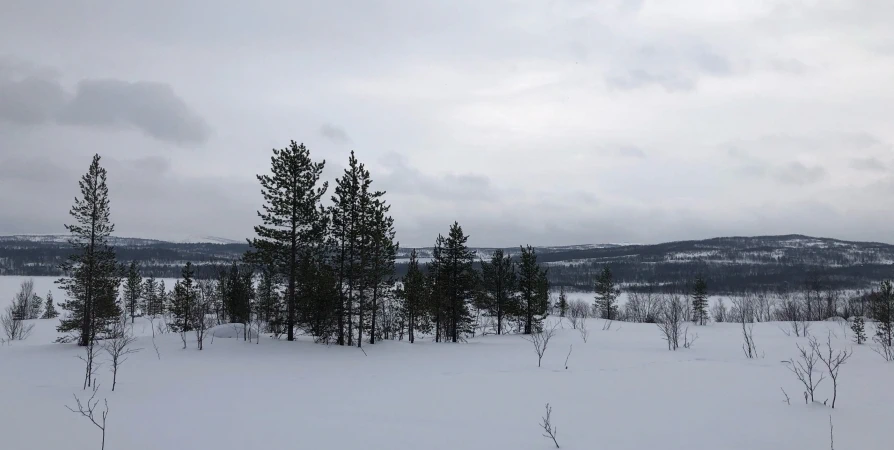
x: 133, y: 289
x: 92, y: 275
x: 458, y: 280
x: 50, y: 309
x: 413, y: 298
x: 533, y: 291
x: 291, y: 218
x: 35, y: 307
x: 499, y: 287
x: 607, y: 294
x: 563, y: 302
x: 183, y: 301
x: 859, y: 331
x: 700, y: 301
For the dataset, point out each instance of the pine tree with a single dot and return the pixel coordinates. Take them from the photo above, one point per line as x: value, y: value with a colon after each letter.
x: 883, y: 312
x: 350, y: 231
x: 292, y: 217
x: 92, y: 273
x: 183, y: 300
x: 162, y: 298
x: 35, y: 307
x: 435, y: 287
x: 858, y: 328
x: 533, y: 291
x: 458, y: 280
x: 133, y: 289
x: 383, y: 251
x: 499, y: 287
x: 268, y: 298
x: 563, y: 302
x: 236, y: 292
x: 413, y: 298
x: 50, y: 309
x: 154, y: 307
x: 607, y: 294
x: 700, y: 301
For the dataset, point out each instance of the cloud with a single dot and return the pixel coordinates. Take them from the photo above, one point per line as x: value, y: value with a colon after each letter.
x: 403, y: 179
x: 675, y: 67
x: 31, y: 95
x: 334, y: 133
x: 799, y: 174
x: 152, y: 108
x: 870, y: 164
x: 632, y: 152
x: 30, y: 101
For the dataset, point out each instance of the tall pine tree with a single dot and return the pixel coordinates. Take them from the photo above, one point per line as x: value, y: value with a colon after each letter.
x: 607, y: 294
x: 499, y: 287
x: 291, y: 217
x: 92, y: 273
x: 700, y: 301
x: 533, y: 291
x: 382, y: 253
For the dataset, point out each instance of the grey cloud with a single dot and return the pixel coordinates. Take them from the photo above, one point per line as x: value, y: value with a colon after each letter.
x: 799, y: 174
x: 334, y: 133
x: 407, y: 180
x: 871, y: 164
x: 30, y: 101
x: 153, y: 108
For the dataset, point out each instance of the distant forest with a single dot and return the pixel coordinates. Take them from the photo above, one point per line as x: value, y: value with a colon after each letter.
x: 729, y: 265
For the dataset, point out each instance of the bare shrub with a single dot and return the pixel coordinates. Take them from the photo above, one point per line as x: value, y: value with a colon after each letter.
x: 201, y: 321
x: 549, y: 431
x: 792, y: 310
x: 583, y: 330
x: 719, y: 311
x: 12, y: 321
x: 832, y: 360
x: 118, y: 347
x: 91, y: 351
x: 804, y: 369
x: 748, y: 346
x: 642, y: 307
x: 607, y: 325
x: 88, y: 410
x: 670, y: 320
x: 578, y: 311
x: 689, y: 339
x: 540, y: 340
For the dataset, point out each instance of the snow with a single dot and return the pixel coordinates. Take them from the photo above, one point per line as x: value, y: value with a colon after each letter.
x: 622, y: 390
x: 231, y: 331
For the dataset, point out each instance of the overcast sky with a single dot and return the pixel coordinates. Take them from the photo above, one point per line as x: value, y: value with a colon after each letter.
x: 545, y: 122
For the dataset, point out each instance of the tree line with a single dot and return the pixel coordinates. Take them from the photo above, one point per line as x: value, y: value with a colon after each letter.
x: 323, y: 270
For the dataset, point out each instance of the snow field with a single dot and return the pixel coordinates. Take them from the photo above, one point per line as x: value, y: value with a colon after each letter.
x: 623, y: 390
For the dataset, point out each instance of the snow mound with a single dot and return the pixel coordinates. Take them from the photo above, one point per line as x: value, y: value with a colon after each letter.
x: 232, y: 331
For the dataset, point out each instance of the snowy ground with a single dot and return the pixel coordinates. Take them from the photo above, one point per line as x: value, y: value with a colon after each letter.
x: 622, y: 390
